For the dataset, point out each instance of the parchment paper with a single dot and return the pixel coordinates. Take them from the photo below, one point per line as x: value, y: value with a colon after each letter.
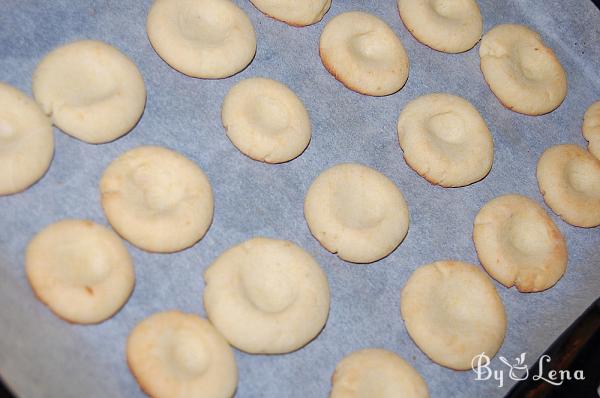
x: 42, y: 356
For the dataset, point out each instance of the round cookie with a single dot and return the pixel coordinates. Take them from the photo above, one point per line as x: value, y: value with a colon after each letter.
x: 453, y: 312
x: 445, y: 140
x: 364, y: 54
x: 265, y: 120
x: 521, y: 71
x: 448, y: 26
x: 569, y: 179
x: 266, y: 296
x: 80, y: 270
x: 26, y: 141
x: 210, y: 39
x: 157, y: 199
x: 294, y: 12
x: 591, y: 128
x: 518, y: 244
x: 376, y: 373
x: 91, y: 90
x: 177, y: 355
x: 356, y: 212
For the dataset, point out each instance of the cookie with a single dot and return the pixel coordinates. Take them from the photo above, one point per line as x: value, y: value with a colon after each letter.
x: 266, y: 296
x: 379, y: 373
x: 453, y: 313
x: 157, y: 199
x: 448, y: 26
x: 364, y: 54
x: 445, y: 140
x: 26, y: 141
x: 210, y: 39
x: 591, y: 128
x: 177, y: 355
x: 356, y: 212
x: 518, y: 244
x: 265, y: 120
x: 80, y: 270
x: 569, y: 179
x: 293, y: 12
x: 521, y: 70
x: 91, y: 90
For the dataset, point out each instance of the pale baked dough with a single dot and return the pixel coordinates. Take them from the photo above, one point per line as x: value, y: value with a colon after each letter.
x: 445, y: 140
x: 91, y: 90
x: 377, y: 373
x: 569, y: 178
x: 518, y: 244
x: 591, y: 128
x: 364, y: 54
x: 177, y: 355
x: 210, y: 39
x: 265, y: 120
x: 80, y: 270
x: 26, y: 141
x: 157, y: 199
x: 266, y: 296
x: 356, y: 212
x: 453, y: 312
x: 294, y: 12
x: 451, y: 26
x: 521, y: 71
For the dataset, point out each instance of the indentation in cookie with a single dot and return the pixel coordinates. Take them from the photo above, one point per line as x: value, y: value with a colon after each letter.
x: 356, y: 205
x: 527, y: 234
x: 370, y: 46
x: 8, y: 128
x: 584, y: 176
x: 448, y: 127
x: 189, y: 353
x: 208, y: 25
x: 267, y: 286
x: 270, y: 114
x: 82, y: 263
x: 453, y: 9
x: 160, y: 188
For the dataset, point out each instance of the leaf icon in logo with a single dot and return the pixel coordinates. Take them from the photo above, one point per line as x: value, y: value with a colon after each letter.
x: 518, y: 366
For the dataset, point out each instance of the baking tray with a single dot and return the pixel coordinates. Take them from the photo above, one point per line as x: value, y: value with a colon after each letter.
x: 42, y: 356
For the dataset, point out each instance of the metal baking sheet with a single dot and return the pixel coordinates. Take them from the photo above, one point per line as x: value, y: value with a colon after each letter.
x: 42, y: 356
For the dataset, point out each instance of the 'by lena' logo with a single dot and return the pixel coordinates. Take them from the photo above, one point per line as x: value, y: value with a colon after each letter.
x: 518, y: 370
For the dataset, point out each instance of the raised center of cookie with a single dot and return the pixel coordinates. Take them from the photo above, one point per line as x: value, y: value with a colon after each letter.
x: 452, y: 9
x: 267, y: 285
x: 584, y: 177
x: 161, y: 189
x: 356, y: 206
x: 208, y: 25
x: 370, y: 46
x: 527, y: 233
x: 447, y: 126
x: 189, y: 353
x: 270, y: 114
